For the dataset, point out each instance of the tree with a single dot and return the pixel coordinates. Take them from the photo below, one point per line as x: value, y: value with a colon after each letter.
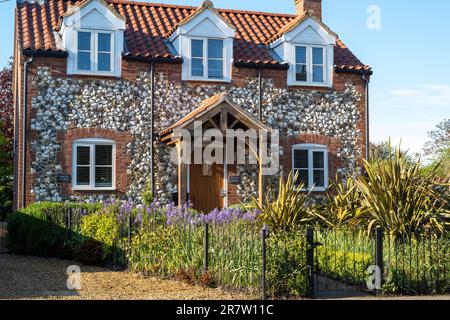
x: 384, y: 149
x: 439, y: 139
x: 6, y: 139
x: 438, y: 148
x: 6, y: 103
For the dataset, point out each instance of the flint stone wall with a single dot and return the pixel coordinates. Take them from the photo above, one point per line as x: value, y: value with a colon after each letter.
x: 122, y: 105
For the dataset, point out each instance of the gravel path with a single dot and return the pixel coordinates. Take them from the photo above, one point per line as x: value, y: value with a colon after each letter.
x: 24, y: 277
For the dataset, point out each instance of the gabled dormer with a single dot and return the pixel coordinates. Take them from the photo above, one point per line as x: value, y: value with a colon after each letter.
x: 307, y: 45
x: 93, y: 35
x: 205, y: 42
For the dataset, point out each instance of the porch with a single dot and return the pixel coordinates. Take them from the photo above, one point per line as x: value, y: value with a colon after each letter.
x: 206, y: 142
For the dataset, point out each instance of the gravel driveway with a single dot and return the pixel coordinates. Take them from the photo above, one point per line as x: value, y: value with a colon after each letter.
x: 24, y: 277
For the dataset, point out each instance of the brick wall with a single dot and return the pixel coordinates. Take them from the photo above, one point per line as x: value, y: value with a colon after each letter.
x: 121, y: 140
x: 334, y: 162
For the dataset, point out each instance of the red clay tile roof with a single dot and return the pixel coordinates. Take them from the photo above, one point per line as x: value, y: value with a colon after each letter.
x: 149, y: 23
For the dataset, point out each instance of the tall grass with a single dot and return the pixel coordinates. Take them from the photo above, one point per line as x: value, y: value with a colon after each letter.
x: 396, y: 196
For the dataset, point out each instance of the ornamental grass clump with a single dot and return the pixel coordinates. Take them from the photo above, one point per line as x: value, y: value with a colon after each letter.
x: 343, y: 205
x: 285, y: 209
x: 396, y: 197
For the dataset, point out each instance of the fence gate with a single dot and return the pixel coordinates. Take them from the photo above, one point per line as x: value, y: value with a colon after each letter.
x: 341, y: 261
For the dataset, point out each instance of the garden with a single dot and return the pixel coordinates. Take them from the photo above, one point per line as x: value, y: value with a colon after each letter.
x: 271, y: 249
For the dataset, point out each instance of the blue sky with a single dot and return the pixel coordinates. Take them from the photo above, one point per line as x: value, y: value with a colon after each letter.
x: 410, y: 89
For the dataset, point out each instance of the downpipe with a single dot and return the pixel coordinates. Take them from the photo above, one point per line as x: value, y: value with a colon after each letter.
x: 367, y: 123
x: 152, y: 127
x: 260, y: 93
x: 24, y: 129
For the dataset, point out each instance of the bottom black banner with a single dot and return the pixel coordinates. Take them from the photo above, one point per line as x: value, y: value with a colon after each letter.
x: 230, y: 309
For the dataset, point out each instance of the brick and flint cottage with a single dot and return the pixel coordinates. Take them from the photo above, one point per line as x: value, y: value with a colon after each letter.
x: 100, y: 86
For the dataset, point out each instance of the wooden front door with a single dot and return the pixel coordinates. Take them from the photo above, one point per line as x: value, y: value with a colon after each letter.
x: 206, y: 184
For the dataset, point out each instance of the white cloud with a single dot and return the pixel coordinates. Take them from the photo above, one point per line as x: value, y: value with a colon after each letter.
x: 408, y: 114
x: 422, y: 96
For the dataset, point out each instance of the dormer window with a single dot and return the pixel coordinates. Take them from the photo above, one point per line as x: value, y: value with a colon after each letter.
x: 94, y: 54
x: 310, y: 65
x: 307, y: 45
x: 205, y: 42
x: 92, y: 35
x: 207, y: 59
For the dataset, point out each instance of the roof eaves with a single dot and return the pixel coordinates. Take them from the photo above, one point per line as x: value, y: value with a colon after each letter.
x: 206, y: 5
x: 261, y: 65
x: 296, y: 22
x: 354, y: 70
x: 85, y: 2
x: 142, y: 58
x: 45, y: 53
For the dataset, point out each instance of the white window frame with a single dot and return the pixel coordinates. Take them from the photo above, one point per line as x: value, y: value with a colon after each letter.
x: 91, y: 143
x: 206, y: 58
x: 94, y: 53
x: 309, y: 65
x: 311, y: 148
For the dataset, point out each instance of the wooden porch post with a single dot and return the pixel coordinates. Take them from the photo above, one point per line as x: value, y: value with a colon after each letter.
x: 182, y: 176
x: 261, y: 178
x: 223, y: 125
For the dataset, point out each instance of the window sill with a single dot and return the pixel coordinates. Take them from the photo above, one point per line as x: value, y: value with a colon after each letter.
x: 94, y: 74
x: 93, y: 189
x: 308, y: 84
x: 321, y: 189
x: 207, y: 80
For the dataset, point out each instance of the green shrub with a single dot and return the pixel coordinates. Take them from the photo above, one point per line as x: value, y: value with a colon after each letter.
x: 343, y: 203
x: 287, y: 269
x: 288, y: 209
x: 147, y: 195
x: 344, y: 254
x: 417, y: 265
x: 5, y: 200
x: 90, y: 252
x: 34, y: 234
x: 396, y: 197
x: 100, y: 228
x: 41, y: 229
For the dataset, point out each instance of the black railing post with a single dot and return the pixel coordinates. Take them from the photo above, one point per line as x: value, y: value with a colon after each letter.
x: 379, y: 258
x: 310, y: 260
x: 264, y: 234
x: 69, y: 222
x: 206, y: 248
x: 129, y: 228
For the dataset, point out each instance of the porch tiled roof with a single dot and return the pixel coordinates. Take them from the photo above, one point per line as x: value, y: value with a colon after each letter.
x: 149, y: 24
x: 205, y: 105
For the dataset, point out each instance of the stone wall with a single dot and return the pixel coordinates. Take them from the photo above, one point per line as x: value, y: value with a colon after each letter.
x: 63, y: 104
